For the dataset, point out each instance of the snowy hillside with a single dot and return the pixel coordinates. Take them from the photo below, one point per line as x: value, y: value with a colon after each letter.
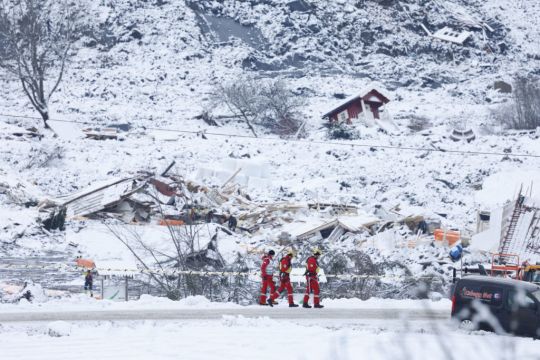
x: 156, y: 62
x: 153, y: 65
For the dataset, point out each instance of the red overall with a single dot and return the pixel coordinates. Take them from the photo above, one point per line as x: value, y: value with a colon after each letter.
x: 267, y: 280
x: 285, y: 268
x: 312, y: 282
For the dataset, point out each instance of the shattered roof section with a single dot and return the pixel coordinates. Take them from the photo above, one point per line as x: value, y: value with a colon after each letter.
x: 99, y: 196
x: 314, y: 224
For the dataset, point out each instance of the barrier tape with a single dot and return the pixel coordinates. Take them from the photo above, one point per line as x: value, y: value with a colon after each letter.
x: 130, y: 272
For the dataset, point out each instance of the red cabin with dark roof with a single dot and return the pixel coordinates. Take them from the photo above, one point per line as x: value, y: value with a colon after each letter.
x: 370, y: 101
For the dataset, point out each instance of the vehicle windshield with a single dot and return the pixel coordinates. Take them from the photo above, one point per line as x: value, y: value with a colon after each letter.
x: 536, y: 295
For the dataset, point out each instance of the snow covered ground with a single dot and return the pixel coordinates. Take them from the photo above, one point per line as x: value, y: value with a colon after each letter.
x: 253, y: 337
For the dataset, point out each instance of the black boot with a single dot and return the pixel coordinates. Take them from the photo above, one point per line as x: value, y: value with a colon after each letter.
x: 270, y: 302
x: 293, y: 305
x: 306, y: 305
x: 318, y: 306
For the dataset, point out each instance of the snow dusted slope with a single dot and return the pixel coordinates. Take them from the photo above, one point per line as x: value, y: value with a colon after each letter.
x: 155, y: 62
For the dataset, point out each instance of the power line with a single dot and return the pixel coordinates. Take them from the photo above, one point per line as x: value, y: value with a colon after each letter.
x: 58, y: 120
x: 316, y: 142
x: 38, y: 118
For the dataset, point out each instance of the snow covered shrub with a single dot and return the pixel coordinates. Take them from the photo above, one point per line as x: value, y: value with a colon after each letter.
x: 282, y: 108
x: 359, y: 265
x: 44, y: 156
x: 337, y: 264
x: 266, y: 103
x: 242, y: 99
x: 363, y: 263
x: 419, y: 123
x: 523, y: 113
x: 342, y: 131
x: 503, y: 115
x: 58, y: 329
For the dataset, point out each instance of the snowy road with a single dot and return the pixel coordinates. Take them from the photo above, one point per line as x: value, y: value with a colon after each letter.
x: 197, y: 329
x: 261, y: 338
x: 215, y: 314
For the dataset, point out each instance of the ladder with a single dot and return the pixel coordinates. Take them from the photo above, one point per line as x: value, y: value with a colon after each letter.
x: 506, y: 241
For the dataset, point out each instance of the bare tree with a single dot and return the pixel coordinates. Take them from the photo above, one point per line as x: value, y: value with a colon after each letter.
x: 527, y: 103
x: 282, y: 108
x: 181, y: 267
x: 523, y: 113
x: 170, y: 262
x: 242, y: 99
x: 167, y: 267
x: 37, y: 36
x: 265, y: 103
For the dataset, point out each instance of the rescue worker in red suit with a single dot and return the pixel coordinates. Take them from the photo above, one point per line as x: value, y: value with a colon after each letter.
x: 285, y: 267
x: 312, y: 280
x: 267, y: 273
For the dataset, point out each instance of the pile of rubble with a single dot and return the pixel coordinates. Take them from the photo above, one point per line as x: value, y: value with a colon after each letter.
x: 171, y: 200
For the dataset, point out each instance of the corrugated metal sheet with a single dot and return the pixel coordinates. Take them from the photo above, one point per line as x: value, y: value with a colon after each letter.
x: 90, y: 201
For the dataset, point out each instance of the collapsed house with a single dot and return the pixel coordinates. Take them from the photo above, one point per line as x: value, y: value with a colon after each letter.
x: 109, y: 133
x: 158, y: 207
x: 137, y: 199
x: 170, y: 200
x: 451, y: 35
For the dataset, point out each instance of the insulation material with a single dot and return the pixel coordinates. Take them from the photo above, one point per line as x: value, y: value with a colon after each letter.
x: 252, y: 174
